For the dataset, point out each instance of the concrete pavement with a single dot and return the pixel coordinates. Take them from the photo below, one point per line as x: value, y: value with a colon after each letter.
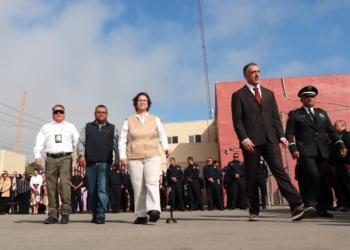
x: 194, y: 230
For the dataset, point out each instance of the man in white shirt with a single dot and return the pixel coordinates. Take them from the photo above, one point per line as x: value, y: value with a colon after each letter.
x: 58, y: 139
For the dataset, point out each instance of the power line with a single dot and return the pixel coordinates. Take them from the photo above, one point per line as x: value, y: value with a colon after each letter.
x: 20, y: 151
x: 13, y: 144
x: 16, y: 124
x: 23, y: 112
x: 23, y: 119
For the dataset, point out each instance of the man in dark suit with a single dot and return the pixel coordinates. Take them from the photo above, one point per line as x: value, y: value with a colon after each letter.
x: 309, y: 126
x: 259, y: 129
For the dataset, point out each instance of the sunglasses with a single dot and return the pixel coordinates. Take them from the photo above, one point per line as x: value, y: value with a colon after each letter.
x: 235, y: 156
x: 58, y: 112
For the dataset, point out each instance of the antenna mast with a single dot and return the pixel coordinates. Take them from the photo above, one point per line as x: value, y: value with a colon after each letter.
x: 210, y: 113
x: 19, y: 129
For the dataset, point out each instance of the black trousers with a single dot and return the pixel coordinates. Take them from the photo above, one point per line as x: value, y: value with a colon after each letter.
x: 23, y: 202
x: 237, y: 190
x: 131, y: 200
x: 76, y: 200
x: 115, y: 196
x: 315, y: 174
x: 176, y: 195
x: 263, y: 189
x: 162, y: 197
x: 194, y: 194
x: 124, y: 200
x: 214, y: 194
x: 229, y: 194
x: 301, y: 181
x: 3, y: 203
x: 272, y: 155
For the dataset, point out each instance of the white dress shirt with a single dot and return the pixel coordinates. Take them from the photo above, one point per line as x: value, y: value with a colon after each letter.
x: 36, y: 180
x: 307, y: 110
x: 251, y: 88
x: 162, y: 138
x: 45, y: 141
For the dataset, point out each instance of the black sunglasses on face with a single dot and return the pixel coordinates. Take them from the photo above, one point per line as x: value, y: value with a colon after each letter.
x: 58, y: 112
x: 235, y: 156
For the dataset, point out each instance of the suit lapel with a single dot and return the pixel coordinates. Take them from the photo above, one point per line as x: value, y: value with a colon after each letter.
x: 264, y: 94
x: 248, y: 93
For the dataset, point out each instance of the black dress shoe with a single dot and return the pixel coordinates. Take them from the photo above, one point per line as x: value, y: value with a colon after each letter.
x: 191, y: 209
x: 65, y: 219
x: 93, y: 220
x: 324, y: 214
x: 50, y: 220
x: 243, y: 208
x: 345, y: 209
x: 182, y: 209
x: 141, y: 220
x: 154, y: 215
x: 202, y: 209
x: 337, y: 208
x: 210, y: 209
x: 100, y: 220
x: 221, y: 208
x: 263, y: 207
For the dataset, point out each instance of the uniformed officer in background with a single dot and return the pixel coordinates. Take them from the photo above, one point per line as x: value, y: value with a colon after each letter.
x: 116, y: 185
x: 213, y: 178
x: 263, y: 178
x: 309, y: 126
x: 236, y: 170
x: 129, y: 192
x: 342, y: 169
x: 175, y: 176
x: 193, y: 183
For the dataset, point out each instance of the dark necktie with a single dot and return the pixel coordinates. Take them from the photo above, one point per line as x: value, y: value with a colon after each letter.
x: 312, y: 115
x: 257, y: 95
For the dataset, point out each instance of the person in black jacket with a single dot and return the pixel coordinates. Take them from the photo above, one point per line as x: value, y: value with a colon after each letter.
x: 163, y: 183
x: 309, y: 126
x: 236, y: 170
x: 213, y: 178
x: 227, y: 185
x: 129, y: 192
x: 194, y: 185
x: 175, y: 176
x: 116, y: 184
x: 263, y: 177
x: 342, y: 168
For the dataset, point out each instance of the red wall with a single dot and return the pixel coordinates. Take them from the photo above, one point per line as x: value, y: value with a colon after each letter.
x: 333, y: 96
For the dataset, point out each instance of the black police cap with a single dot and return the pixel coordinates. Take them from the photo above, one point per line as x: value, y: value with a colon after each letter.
x: 308, y: 90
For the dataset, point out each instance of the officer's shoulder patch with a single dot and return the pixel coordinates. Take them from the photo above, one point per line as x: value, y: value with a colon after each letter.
x: 240, y: 162
x: 214, y: 166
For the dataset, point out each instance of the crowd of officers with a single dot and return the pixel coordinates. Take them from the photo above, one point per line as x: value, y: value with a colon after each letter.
x: 182, y: 189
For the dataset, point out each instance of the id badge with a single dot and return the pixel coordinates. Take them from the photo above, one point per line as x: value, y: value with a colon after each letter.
x: 58, y: 138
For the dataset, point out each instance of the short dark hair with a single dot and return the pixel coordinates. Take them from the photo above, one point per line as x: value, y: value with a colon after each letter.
x: 35, y: 169
x: 172, y: 158
x: 136, y: 98
x: 248, y: 65
x: 190, y: 158
x: 58, y: 105
x: 101, y: 106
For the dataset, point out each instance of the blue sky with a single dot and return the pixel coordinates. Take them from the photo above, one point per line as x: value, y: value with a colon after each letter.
x: 85, y: 53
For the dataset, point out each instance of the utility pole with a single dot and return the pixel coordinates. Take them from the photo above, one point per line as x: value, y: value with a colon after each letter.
x: 210, y: 113
x: 19, y: 129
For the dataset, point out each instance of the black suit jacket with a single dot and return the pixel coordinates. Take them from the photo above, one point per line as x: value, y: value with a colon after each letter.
x: 257, y: 122
x: 310, y: 137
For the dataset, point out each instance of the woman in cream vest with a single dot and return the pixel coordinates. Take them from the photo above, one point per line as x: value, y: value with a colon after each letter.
x: 140, y: 142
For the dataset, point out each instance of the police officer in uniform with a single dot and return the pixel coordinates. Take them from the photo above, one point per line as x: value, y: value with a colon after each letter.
x: 193, y: 183
x: 309, y: 126
x: 263, y: 178
x: 213, y: 178
x: 341, y: 170
x: 236, y: 171
x: 116, y: 184
x: 129, y: 192
x: 175, y: 176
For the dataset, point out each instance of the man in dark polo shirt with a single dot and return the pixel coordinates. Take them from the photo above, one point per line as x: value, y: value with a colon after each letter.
x: 100, y: 139
x: 76, y: 182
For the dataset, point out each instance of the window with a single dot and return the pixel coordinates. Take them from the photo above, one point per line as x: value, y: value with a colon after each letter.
x: 194, y: 138
x: 173, y: 140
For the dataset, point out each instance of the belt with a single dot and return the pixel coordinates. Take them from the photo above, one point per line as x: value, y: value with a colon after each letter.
x: 57, y: 155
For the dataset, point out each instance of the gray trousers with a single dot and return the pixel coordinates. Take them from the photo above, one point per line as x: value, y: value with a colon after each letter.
x: 54, y: 169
